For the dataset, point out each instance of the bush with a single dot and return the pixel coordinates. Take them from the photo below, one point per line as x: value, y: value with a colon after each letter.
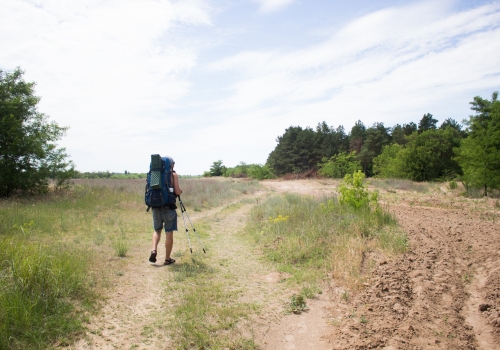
x: 339, y: 165
x: 354, y: 194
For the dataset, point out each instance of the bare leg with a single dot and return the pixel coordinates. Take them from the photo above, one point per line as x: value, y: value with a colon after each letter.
x: 156, y: 239
x: 169, y: 243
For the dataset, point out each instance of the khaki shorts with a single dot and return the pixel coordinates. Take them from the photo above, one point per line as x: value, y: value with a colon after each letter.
x: 164, y: 218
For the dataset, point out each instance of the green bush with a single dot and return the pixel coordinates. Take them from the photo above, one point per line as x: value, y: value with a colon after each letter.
x: 354, y: 194
x: 339, y: 165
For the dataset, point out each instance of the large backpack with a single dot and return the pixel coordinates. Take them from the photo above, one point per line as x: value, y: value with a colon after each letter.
x: 159, y: 190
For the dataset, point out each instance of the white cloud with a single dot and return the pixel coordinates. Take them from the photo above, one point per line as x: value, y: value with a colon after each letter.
x: 268, y: 6
x: 419, y: 49
x: 107, y: 69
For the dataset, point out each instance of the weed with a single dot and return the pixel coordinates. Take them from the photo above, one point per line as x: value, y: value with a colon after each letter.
x: 207, y: 313
x: 99, y: 238
x: 363, y: 319
x: 452, y: 185
x: 310, y: 291
x: 467, y: 278
x: 121, y: 246
x: 354, y: 194
x: 297, y: 304
x: 345, y: 296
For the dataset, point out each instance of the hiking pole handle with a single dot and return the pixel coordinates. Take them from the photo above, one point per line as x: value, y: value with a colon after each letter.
x: 183, y: 209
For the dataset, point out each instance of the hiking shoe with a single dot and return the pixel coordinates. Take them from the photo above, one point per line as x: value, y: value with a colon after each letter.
x: 152, y: 258
x: 169, y: 261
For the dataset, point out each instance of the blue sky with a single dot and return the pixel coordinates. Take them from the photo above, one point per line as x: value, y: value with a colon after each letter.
x: 203, y: 80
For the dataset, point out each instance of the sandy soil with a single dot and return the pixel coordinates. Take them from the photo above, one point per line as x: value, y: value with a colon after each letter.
x: 443, y: 293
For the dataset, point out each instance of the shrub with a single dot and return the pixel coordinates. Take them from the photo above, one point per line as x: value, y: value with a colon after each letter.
x: 354, y: 194
x: 339, y: 165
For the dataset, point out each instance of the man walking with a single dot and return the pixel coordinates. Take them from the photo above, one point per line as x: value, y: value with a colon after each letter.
x: 166, y: 218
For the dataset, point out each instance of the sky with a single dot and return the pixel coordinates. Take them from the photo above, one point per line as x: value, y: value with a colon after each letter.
x: 209, y: 80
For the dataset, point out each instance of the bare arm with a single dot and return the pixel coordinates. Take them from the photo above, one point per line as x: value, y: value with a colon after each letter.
x: 177, y: 189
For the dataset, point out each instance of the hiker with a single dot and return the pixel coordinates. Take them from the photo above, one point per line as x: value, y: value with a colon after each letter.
x: 166, y: 217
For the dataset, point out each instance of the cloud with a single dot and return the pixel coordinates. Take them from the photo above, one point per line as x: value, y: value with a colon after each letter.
x: 268, y: 6
x: 109, y: 70
x: 419, y: 49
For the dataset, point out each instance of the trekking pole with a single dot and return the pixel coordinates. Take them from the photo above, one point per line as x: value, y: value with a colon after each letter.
x: 187, y: 231
x: 183, y: 210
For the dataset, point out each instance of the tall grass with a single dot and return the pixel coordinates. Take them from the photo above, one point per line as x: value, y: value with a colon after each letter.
x: 309, y: 237
x: 207, y: 193
x: 43, y: 289
x: 47, y: 270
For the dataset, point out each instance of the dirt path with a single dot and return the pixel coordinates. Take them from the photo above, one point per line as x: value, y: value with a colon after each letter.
x: 136, y: 298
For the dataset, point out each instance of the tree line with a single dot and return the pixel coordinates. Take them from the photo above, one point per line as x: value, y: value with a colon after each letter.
x: 420, y: 152
x: 423, y: 151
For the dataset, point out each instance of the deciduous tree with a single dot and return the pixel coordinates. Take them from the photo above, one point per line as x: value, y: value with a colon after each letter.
x: 479, y: 153
x: 29, y: 155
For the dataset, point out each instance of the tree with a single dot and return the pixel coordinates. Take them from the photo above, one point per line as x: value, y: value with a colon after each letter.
x: 388, y: 164
x: 398, y: 135
x: 357, y: 136
x: 339, y: 165
x: 217, y: 169
x: 409, y: 128
x: 260, y: 172
x: 427, y: 123
x: 479, y: 153
x: 28, y: 152
x: 330, y: 141
x: 429, y: 156
x: 376, y: 138
x: 295, y: 152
